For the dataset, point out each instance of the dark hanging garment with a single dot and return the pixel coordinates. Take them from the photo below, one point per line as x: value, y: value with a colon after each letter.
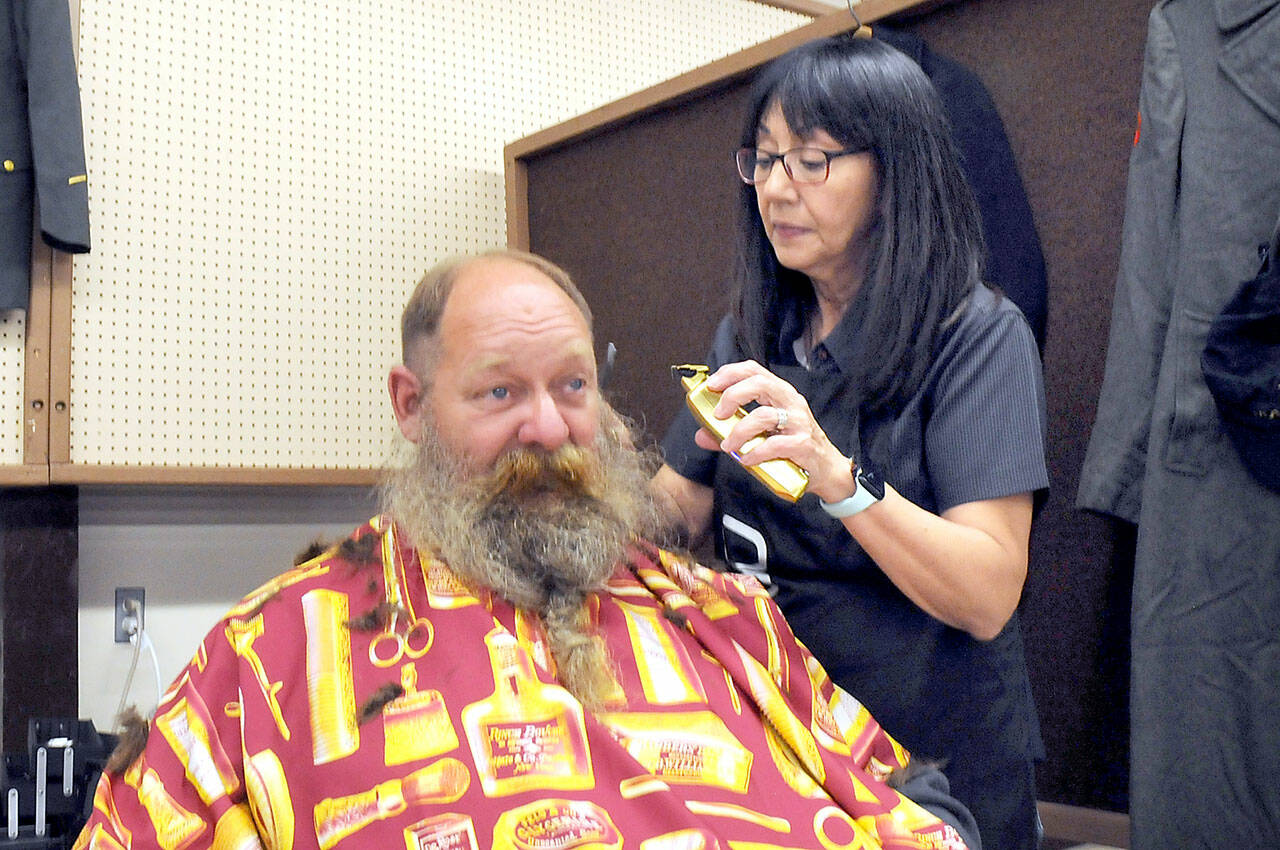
x: 1015, y: 260
x: 42, y: 163
x: 1202, y: 194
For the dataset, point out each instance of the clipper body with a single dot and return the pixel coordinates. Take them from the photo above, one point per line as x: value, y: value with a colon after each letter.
x: 783, y: 477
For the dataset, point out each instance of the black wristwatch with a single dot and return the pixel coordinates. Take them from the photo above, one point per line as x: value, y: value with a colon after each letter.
x: 870, y: 490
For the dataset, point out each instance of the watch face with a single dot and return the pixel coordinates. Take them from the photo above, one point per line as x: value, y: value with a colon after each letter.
x: 868, y: 479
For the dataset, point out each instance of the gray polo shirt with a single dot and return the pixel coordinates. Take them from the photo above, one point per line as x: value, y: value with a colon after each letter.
x: 975, y: 430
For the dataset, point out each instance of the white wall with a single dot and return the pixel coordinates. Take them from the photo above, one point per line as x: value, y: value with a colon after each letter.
x: 195, y: 552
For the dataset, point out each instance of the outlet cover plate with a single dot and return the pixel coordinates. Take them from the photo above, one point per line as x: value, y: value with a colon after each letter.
x: 123, y: 594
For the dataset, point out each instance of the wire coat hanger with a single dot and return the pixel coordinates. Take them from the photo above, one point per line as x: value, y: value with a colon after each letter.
x: 860, y: 30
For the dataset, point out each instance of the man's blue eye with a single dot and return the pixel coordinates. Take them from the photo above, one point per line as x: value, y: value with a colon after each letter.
x: 577, y: 384
x: 498, y: 392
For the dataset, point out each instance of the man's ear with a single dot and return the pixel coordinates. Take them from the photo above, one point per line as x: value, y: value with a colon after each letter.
x: 406, y: 400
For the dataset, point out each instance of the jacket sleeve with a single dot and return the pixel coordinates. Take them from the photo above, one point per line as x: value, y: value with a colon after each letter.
x: 57, y: 142
x: 1111, y: 478
x: 929, y: 789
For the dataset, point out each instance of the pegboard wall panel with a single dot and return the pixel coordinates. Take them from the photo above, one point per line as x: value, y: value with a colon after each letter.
x: 268, y: 180
x: 12, y: 375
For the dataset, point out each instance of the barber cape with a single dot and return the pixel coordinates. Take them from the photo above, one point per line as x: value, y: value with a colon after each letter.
x: 308, y: 720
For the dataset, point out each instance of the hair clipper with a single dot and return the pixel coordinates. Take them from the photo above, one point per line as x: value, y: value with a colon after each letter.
x: 783, y: 477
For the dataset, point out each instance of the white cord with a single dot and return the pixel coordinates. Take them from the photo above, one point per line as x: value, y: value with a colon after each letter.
x: 128, y: 679
x: 139, y: 638
x: 155, y: 663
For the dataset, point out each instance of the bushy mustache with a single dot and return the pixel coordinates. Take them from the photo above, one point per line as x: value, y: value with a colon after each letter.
x: 566, y: 471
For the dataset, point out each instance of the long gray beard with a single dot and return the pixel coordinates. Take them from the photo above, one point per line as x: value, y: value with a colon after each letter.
x: 542, y: 531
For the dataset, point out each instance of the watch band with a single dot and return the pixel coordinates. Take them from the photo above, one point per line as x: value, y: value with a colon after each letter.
x: 870, y: 490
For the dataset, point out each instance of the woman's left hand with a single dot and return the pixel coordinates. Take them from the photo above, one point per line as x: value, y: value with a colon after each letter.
x: 785, y: 420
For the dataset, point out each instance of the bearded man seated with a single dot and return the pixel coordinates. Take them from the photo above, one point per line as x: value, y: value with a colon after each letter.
x: 502, y: 658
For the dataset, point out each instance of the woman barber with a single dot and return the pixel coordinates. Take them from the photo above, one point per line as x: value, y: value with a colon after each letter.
x: 870, y: 353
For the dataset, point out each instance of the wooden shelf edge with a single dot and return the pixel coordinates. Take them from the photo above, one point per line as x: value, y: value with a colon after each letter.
x: 80, y: 473
x: 24, y: 475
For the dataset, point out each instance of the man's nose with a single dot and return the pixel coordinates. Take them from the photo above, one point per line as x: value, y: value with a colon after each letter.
x: 545, y: 426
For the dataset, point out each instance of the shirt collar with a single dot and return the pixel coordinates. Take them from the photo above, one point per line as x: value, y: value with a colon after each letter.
x: 839, y: 344
x: 790, y: 329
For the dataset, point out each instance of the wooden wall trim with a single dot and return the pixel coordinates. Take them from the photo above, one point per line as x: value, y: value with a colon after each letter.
x: 60, y: 359
x: 517, y: 187
x: 72, y: 473
x: 673, y: 91
x: 37, y: 351
x: 816, y: 8
x: 1080, y: 824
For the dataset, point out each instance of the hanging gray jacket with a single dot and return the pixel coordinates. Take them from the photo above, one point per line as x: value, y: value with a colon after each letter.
x: 1203, y: 193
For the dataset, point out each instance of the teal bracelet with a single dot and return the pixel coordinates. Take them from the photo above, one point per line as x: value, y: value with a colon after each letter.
x: 870, y: 490
x: 861, y: 499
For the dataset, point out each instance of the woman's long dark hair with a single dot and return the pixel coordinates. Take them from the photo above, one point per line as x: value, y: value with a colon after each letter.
x: 925, y: 239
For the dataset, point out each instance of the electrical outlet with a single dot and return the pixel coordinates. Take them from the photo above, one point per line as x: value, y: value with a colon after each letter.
x: 129, y: 603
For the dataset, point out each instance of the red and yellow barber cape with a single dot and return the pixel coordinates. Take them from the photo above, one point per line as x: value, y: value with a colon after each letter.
x: 724, y: 732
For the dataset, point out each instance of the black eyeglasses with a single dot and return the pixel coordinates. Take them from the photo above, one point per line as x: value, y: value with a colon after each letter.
x: 803, y: 165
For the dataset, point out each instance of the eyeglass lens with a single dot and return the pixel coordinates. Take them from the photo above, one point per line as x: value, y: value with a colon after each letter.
x: 803, y: 165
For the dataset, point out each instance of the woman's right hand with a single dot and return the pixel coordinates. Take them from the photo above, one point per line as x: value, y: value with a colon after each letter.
x: 785, y: 420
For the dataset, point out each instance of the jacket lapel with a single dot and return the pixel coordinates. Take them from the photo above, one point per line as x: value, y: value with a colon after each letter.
x: 1251, y: 56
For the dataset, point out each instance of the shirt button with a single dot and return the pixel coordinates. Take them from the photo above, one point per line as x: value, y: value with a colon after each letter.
x: 8, y: 165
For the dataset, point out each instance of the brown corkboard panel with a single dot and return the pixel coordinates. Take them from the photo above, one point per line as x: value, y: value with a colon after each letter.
x: 644, y: 230
x: 1065, y: 76
x: 641, y: 213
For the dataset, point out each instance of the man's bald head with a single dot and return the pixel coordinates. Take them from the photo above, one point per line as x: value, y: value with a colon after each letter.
x: 420, y: 322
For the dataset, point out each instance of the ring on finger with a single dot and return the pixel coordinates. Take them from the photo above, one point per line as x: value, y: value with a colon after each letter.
x: 782, y: 419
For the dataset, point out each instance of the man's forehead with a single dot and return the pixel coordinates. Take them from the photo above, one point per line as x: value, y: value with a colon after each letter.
x: 504, y: 318
x: 499, y: 273
x: 493, y: 286
x: 572, y: 352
